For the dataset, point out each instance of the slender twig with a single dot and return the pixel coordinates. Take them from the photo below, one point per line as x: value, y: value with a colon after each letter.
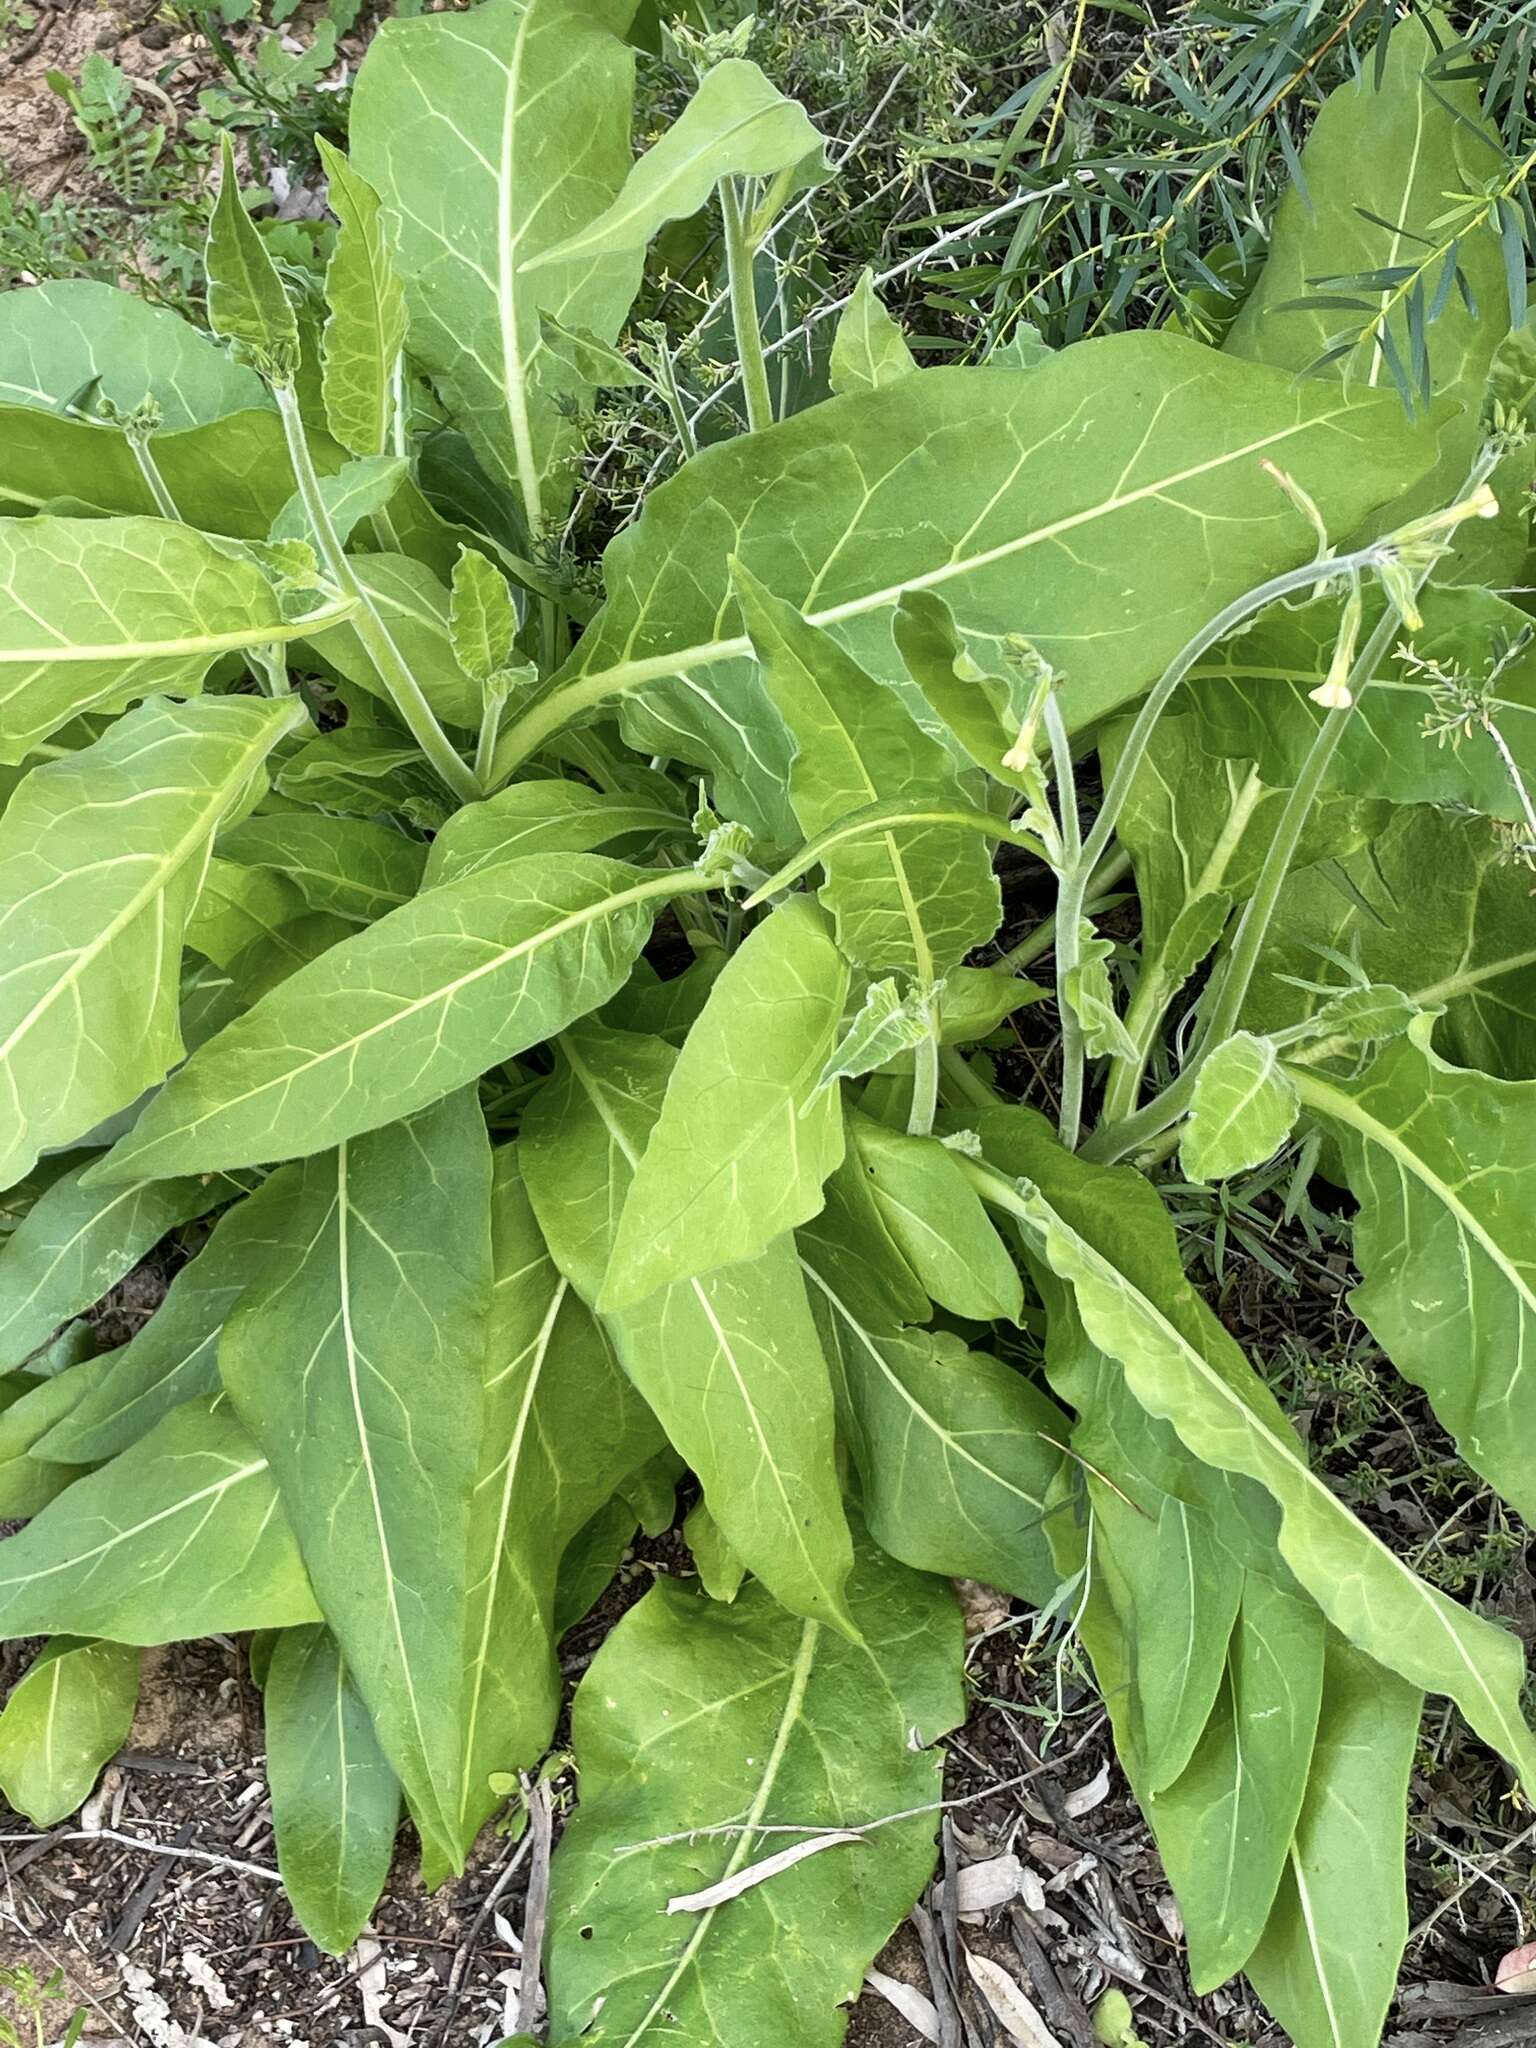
x: 536, y: 1910
x: 458, y: 1976
x: 740, y: 254
x: 147, y: 1848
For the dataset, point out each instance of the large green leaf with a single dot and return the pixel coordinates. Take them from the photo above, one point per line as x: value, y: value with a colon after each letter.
x: 1327, y: 1966
x: 56, y: 337
x: 1388, y: 156
x: 490, y: 137
x: 74, y: 1243
x: 182, y: 1535
x: 401, y: 1014
x: 563, y: 1430
x: 101, y: 855
x: 239, y: 907
x: 955, y: 1451
x: 700, y: 1716
x: 936, y: 1218
x: 413, y: 604
x: 915, y: 900
x: 729, y: 1362
x: 100, y: 612
x: 335, y: 1800
x: 1252, y: 700
x: 349, y: 866
x: 355, y: 1361
x: 1224, y: 1826
x: 1434, y: 907
x: 175, y: 1357
x: 1075, y: 502
x: 746, y: 1137
x: 68, y: 1716
x: 366, y: 329
x: 738, y: 124
x: 1182, y: 1367
x: 543, y: 817
x: 1442, y: 1162
x: 229, y: 475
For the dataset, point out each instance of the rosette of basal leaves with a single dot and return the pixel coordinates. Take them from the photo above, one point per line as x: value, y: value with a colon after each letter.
x: 556, y: 1045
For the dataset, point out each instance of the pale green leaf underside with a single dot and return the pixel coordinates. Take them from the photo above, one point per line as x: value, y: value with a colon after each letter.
x: 737, y: 124
x: 67, y: 1717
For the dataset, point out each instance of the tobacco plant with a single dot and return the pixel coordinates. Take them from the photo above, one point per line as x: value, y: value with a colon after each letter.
x: 568, y: 1033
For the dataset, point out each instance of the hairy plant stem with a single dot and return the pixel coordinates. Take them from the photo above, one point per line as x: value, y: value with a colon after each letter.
x: 1156, y: 987
x: 1076, y: 874
x: 154, y: 482
x: 1069, y: 933
x: 882, y: 817
x: 1230, y: 989
x: 1043, y: 937
x: 404, y: 691
x: 739, y: 254
x: 925, y: 1079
